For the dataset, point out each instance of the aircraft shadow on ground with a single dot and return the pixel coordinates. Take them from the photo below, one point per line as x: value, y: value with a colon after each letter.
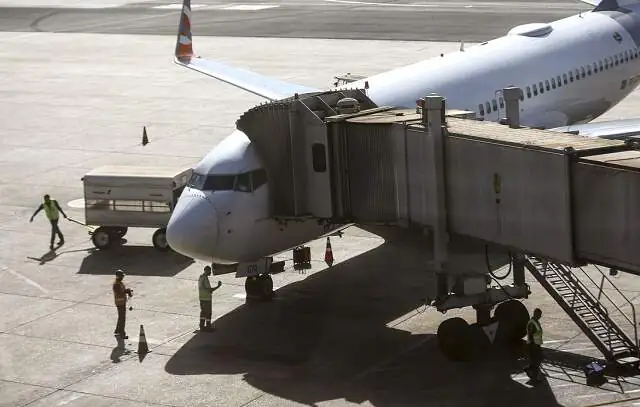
x: 327, y: 337
x: 134, y: 260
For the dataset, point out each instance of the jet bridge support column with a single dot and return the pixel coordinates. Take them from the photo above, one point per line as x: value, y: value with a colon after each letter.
x: 458, y: 339
x: 433, y: 121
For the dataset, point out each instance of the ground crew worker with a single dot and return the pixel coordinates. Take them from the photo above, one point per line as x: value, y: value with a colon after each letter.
x: 120, y: 293
x: 51, y: 209
x: 204, y: 292
x: 534, y: 342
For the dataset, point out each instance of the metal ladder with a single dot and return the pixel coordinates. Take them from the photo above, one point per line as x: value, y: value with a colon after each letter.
x: 587, y: 310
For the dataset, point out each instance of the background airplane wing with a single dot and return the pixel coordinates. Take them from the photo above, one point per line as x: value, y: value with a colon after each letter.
x: 613, y: 129
x: 270, y: 88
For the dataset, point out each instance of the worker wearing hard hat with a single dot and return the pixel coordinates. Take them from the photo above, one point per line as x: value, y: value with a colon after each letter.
x: 120, y: 293
x: 534, y: 343
x: 204, y: 292
x: 52, y: 209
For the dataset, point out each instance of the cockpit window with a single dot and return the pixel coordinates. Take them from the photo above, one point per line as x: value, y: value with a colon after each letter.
x: 219, y: 183
x: 242, y: 182
x: 245, y: 182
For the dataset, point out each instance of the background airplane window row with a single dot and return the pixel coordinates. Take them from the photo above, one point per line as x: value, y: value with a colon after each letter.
x: 564, y: 79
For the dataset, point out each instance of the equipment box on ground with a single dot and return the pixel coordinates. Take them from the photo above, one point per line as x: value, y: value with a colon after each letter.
x: 119, y: 197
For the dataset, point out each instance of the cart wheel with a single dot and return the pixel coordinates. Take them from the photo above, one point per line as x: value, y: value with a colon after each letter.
x: 101, y: 238
x: 160, y: 240
x: 120, y: 231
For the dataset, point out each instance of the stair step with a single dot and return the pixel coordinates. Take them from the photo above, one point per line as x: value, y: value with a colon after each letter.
x: 627, y: 360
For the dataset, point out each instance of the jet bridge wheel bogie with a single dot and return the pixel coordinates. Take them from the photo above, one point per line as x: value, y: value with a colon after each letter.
x: 454, y: 339
x: 512, y: 316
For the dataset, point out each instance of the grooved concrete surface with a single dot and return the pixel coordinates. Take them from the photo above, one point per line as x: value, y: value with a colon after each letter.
x: 354, y: 334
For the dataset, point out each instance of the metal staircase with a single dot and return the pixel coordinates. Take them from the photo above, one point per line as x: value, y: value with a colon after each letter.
x: 585, y: 307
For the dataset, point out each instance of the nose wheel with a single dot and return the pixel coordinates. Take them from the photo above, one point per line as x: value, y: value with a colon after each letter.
x: 259, y: 287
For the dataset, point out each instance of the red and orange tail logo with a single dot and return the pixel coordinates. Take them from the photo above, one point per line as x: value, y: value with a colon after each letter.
x: 184, y: 48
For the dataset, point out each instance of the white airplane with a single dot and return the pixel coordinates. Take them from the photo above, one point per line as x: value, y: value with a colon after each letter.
x: 570, y: 71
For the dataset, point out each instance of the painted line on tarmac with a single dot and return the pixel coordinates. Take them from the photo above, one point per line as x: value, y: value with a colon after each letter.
x: 26, y: 279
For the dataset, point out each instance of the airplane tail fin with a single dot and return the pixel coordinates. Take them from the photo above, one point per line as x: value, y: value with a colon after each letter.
x: 267, y: 87
x: 184, y: 42
x: 611, y: 5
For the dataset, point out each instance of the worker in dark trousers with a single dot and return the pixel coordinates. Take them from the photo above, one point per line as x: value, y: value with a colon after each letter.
x: 204, y: 292
x: 534, y: 343
x: 52, y: 210
x: 120, y: 294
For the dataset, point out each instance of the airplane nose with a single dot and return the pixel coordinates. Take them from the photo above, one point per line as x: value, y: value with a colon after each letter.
x: 193, y: 228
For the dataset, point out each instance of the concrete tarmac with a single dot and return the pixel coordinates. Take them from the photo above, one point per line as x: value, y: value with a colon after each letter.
x: 355, y: 334
x: 370, y: 20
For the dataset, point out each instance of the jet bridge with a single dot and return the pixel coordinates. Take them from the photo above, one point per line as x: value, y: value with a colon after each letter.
x: 550, y: 197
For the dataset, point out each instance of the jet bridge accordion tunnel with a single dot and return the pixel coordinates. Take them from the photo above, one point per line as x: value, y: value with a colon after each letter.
x: 338, y: 158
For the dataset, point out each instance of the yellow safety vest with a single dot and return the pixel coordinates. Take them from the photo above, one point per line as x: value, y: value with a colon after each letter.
x: 537, y: 336
x: 51, y: 210
x: 204, y: 288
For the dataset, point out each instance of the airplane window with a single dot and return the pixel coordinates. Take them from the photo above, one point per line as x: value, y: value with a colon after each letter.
x: 589, y: 70
x: 219, y: 183
x: 535, y: 90
x: 494, y: 104
x: 501, y: 101
x: 529, y: 92
x: 570, y: 76
x: 481, y: 109
x: 577, y: 74
x: 606, y: 63
x: 319, y: 157
x: 635, y: 52
x: 488, y: 106
x: 521, y: 95
x: 615, y: 60
x: 541, y: 88
x: 595, y: 68
x: 547, y: 86
x: 196, y: 181
x: 631, y: 54
x: 582, y: 73
x: 242, y: 182
x: 564, y: 77
x: 559, y: 81
x: 258, y: 178
x: 626, y: 56
x: 553, y: 83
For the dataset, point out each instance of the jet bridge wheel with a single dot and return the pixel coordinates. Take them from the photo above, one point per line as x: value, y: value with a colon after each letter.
x: 259, y: 287
x: 455, y: 339
x: 512, y: 316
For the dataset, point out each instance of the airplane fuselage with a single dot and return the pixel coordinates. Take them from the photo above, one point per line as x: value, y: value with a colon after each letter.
x: 570, y: 71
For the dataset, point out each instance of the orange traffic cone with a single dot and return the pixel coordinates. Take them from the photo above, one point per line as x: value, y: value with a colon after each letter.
x: 145, y: 139
x: 328, y: 253
x: 143, y: 348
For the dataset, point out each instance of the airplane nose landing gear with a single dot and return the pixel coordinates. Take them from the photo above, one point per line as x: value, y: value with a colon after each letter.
x: 259, y: 287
